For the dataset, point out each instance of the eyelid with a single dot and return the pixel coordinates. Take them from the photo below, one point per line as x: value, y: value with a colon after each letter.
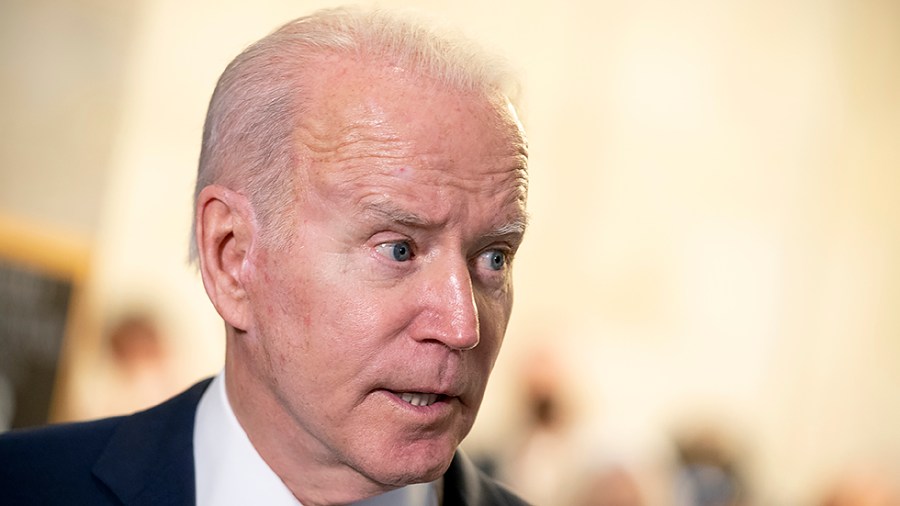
x: 504, y: 247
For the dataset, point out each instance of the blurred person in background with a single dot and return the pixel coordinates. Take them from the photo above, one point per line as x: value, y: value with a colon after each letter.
x: 708, y: 471
x: 610, y: 485
x: 863, y: 486
x: 135, y: 372
x: 541, y: 458
x: 360, y: 199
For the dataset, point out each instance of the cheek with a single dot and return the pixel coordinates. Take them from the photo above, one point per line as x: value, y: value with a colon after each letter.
x: 492, y: 328
x: 324, y: 325
x: 493, y: 318
x: 283, y: 317
x: 365, y: 314
x: 493, y: 312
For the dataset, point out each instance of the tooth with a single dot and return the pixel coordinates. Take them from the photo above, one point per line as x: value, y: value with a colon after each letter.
x: 419, y: 399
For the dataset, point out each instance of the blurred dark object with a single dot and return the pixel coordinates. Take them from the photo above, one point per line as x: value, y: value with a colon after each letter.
x: 33, y: 311
x: 708, y: 473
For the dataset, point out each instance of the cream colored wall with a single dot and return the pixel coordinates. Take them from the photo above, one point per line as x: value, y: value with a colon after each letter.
x: 714, y: 200
x: 60, y: 78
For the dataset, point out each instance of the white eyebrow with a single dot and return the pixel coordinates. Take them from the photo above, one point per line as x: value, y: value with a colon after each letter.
x: 386, y: 210
x: 516, y: 227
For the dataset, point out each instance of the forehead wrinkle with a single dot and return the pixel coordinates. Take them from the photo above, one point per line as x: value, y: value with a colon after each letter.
x: 344, y: 162
x: 356, y: 140
x: 369, y: 171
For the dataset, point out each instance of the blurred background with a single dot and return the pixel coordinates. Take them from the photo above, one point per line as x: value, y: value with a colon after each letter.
x: 708, y: 298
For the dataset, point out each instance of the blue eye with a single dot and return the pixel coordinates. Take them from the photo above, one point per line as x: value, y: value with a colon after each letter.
x: 495, y: 259
x: 400, y: 251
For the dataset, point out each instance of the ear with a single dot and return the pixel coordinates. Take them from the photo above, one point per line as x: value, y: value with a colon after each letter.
x: 225, y: 230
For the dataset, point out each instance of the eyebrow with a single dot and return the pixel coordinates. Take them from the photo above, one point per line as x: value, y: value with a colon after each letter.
x: 386, y: 210
x: 513, y: 228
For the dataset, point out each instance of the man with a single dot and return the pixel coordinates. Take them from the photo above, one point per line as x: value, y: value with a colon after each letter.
x: 360, y: 197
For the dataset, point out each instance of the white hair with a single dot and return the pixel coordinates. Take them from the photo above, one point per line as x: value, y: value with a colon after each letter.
x: 259, y: 99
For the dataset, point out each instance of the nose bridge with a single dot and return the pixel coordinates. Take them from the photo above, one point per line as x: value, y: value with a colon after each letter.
x: 455, y: 310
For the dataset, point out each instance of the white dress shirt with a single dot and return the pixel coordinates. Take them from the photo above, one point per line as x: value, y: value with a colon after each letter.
x: 229, y: 471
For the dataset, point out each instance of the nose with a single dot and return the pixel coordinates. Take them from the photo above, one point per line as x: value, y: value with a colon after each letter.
x: 452, y: 314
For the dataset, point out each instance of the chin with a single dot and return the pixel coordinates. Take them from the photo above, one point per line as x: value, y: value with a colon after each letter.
x: 413, y: 466
x: 404, y: 477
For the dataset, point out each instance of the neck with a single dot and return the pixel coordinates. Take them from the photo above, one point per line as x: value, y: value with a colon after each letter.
x: 313, y: 475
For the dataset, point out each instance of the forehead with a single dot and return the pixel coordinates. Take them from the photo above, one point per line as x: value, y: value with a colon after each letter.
x: 376, y: 128
x: 349, y: 100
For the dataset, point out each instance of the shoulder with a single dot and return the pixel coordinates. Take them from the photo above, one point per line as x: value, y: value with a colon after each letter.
x: 46, y: 461
x: 64, y: 442
x: 72, y: 463
x: 466, y: 485
x: 68, y: 444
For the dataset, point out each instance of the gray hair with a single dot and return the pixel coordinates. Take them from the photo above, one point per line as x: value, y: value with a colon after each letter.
x: 258, y: 101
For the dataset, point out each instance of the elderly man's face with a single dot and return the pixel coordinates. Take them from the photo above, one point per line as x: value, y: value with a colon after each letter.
x: 378, y: 326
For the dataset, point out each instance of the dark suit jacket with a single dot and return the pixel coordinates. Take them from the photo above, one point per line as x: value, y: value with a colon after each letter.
x: 148, y: 459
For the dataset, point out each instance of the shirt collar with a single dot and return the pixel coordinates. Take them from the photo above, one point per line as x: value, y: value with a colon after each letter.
x: 229, y: 471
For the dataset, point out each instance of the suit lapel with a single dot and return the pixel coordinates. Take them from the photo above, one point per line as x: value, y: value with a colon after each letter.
x: 461, y: 483
x: 150, y: 458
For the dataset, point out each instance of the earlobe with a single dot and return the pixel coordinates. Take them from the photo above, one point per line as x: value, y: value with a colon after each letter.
x: 225, y: 230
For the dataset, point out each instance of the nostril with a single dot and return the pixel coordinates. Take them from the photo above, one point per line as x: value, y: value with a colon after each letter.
x: 472, y: 347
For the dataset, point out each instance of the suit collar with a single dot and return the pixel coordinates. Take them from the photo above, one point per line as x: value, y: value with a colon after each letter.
x: 149, y: 459
x: 461, y: 483
x: 466, y: 485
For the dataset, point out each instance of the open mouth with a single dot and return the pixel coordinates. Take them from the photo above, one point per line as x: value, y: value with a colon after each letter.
x: 419, y: 398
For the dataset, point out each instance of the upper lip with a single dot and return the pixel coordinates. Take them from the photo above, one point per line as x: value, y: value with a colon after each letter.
x: 443, y: 379
x: 422, y: 391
